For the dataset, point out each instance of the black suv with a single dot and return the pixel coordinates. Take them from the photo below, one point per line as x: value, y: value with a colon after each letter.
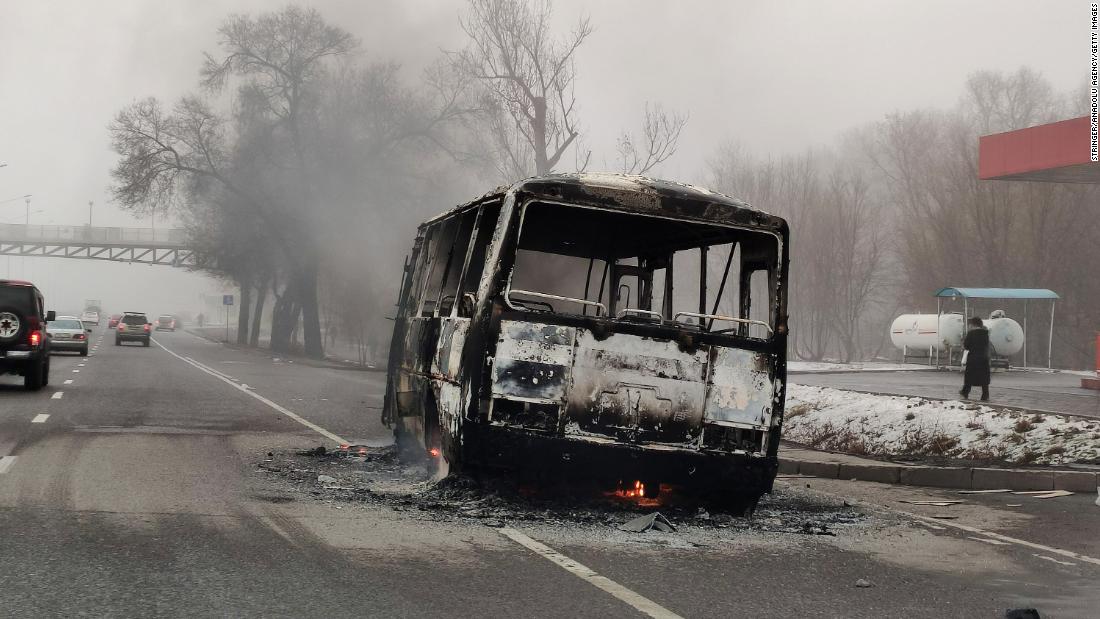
x: 133, y: 327
x: 24, y: 343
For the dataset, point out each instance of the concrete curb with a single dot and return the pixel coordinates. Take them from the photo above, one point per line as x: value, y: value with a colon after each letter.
x: 962, y: 478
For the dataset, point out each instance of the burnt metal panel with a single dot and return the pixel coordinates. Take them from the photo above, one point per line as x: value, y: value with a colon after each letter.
x: 740, y: 388
x: 448, y: 353
x: 532, y: 361
x: 636, y: 388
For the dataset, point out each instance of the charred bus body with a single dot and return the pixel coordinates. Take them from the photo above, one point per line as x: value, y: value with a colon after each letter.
x: 618, y: 327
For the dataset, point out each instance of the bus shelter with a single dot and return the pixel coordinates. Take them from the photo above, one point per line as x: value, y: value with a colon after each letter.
x: 1026, y: 294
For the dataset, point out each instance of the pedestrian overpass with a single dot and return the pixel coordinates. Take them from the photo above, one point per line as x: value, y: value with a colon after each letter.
x: 135, y: 245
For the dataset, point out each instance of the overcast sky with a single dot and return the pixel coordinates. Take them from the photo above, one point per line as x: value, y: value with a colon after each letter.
x: 776, y: 76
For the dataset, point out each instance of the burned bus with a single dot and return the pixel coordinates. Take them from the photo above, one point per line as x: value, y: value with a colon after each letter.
x: 615, y: 327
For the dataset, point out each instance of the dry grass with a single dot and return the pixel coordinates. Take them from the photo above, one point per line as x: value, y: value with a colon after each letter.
x: 798, y: 410
x: 1023, y: 425
x: 1027, y: 457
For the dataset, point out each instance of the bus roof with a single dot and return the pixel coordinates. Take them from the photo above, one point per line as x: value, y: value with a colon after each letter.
x: 635, y: 194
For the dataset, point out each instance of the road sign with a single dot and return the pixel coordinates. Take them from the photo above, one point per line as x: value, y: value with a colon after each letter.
x: 227, y: 299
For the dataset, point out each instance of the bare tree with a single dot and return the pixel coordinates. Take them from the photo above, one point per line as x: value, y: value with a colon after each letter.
x: 660, y: 136
x: 280, y: 58
x: 528, y: 75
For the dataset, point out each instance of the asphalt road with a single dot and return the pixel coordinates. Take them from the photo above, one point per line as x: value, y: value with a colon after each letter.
x: 1035, y: 390
x: 139, y: 495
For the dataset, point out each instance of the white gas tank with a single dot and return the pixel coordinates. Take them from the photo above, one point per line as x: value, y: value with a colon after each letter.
x: 1006, y: 336
x: 918, y: 332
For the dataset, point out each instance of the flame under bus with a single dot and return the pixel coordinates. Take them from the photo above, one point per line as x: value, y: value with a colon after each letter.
x: 619, y: 327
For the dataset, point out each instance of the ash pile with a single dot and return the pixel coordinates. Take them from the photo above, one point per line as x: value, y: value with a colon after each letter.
x: 377, y: 477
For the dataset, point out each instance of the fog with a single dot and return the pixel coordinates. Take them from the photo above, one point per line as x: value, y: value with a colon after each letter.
x: 776, y: 78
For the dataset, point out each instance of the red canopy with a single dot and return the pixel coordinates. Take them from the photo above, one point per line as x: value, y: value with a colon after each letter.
x: 1056, y: 152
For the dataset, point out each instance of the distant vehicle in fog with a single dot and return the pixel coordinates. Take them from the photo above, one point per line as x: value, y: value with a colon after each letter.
x: 90, y: 317
x: 68, y: 333
x: 133, y: 327
x: 166, y: 322
x: 112, y: 322
x: 24, y: 343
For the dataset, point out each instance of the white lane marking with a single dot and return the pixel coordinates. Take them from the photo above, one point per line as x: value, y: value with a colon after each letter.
x: 639, y: 602
x: 6, y: 462
x: 68, y: 381
x: 994, y: 542
x: 76, y: 371
x: 1053, y: 560
x: 40, y: 418
x: 1005, y: 538
x: 249, y: 391
x: 57, y: 395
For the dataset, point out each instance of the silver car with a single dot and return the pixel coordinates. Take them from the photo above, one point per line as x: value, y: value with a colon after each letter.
x: 68, y: 333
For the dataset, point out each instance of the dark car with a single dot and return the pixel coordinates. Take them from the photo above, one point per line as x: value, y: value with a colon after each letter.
x: 24, y: 342
x: 166, y: 322
x: 112, y: 322
x: 133, y: 327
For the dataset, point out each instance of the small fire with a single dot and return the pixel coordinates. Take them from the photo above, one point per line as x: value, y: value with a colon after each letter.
x: 631, y: 492
x: 434, y: 452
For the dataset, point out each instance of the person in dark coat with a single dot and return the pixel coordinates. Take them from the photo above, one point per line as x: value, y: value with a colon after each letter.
x: 976, y: 345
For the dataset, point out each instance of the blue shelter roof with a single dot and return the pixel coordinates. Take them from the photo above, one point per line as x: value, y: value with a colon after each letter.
x: 998, y: 293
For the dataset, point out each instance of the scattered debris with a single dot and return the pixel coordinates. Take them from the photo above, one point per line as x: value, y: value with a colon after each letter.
x: 1045, y: 494
x: 380, y: 478
x: 935, y: 503
x: 653, y: 520
x: 315, y: 452
x: 863, y: 584
x: 943, y: 516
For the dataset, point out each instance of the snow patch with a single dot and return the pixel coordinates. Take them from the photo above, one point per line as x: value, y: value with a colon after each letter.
x: 877, y: 425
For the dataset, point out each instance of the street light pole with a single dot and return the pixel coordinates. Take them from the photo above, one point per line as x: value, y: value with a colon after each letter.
x: 28, y: 201
x: 90, y: 203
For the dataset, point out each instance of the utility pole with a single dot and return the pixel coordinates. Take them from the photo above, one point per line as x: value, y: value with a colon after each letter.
x: 90, y: 203
x: 28, y: 201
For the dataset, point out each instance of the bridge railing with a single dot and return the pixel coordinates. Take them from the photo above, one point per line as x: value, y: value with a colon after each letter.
x: 91, y: 234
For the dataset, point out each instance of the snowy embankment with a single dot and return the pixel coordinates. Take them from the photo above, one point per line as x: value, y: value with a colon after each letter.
x: 876, y: 425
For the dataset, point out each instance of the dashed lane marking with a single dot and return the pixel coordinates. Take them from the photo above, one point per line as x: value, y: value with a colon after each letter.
x: 40, y: 418
x: 6, y: 463
x: 68, y: 381
x: 57, y: 395
x: 76, y: 371
x: 225, y: 378
x: 637, y: 601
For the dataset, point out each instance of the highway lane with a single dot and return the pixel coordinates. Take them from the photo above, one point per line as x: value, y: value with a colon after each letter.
x: 139, y: 495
